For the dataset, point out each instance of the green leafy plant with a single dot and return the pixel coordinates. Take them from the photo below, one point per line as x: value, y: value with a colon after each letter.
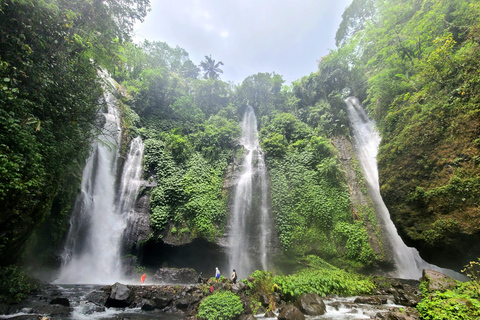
x: 323, y: 281
x: 220, y: 306
x: 14, y: 284
x: 472, y: 270
x: 459, y: 303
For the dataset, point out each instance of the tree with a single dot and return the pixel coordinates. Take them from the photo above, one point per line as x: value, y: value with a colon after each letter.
x: 354, y: 19
x: 211, y: 68
x: 190, y: 70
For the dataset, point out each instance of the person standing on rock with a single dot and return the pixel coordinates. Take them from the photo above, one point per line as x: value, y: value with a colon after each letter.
x: 200, y: 279
x: 217, y: 274
x: 234, y: 277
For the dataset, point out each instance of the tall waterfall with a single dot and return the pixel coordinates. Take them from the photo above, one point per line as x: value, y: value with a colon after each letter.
x: 366, y: 140
x: 92, y: 250
x: 250, y: 231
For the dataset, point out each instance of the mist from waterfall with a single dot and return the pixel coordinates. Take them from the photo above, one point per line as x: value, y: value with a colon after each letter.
x: 92, y: 250
x: 366, y: 141
x: 251, y: 228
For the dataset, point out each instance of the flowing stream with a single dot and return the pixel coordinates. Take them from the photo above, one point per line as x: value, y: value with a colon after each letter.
x: 366, y: 140
x: 250, y: 232
x: 92, y: 250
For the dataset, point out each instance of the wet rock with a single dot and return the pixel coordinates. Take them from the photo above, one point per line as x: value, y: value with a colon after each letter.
x: 247, y: 302
x: 269, y: 314
x: 162, y: 302
x: 97, y: 297
x: 311, y: 304
x: 120, y: 296
x: 407, y: 298
x: 373, y: 300
x: 276, y: 297
x: 183, y: 303
x: 247, y: 317
x: 146, y: 305
x: 61, y: 301
x: 55, y: 310
x: 261, y: 310
x: 91, y: 308
x: 174, y: 275
x: 264, y: 299
x: 238, y: 287
x: 398, y: 314
x: 290, y: 312
x: 437, y: 281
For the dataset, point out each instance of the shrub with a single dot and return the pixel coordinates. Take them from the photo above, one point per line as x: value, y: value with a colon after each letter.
x: 14, y: 284
x: 459, y: 303
x: 220, y: 306
x: 323, y: 282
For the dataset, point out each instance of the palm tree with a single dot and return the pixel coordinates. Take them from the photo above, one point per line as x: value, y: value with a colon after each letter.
x: 211, y: 68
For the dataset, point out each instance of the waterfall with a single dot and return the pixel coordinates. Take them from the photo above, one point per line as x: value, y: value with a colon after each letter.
x: 366, y: 140
x: 250, y: 228
x: 129, y: 188
x: 92, y: 249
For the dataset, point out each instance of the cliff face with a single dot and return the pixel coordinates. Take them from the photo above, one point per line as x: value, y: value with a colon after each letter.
x: 430, y: 182
x: 362, y: 207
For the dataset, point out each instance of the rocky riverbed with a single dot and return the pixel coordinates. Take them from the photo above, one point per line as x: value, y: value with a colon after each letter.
x: 393, y: 299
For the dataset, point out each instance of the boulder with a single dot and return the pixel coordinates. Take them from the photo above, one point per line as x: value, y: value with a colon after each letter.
x: 120, y: 296
x: 61, y: 301
x: 183, y: 303
x: 261, y: 310
x: 373, y: 300
x: 238, y: 287
x: 175, y: 276
x: 147, y: 305
x: 311, y: 304
x: 407, y: 298
x: 437, y: 281
x: 264, y: 299
x: 397, y: 315
x: 162, y: 301
x: 97, y: 297
x: 290, y: 312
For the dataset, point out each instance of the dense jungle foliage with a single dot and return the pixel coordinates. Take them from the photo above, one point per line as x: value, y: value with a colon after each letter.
x: 50, y: 55
x: 415, y: 63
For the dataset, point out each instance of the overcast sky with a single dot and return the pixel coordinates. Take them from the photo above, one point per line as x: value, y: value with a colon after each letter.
x: 249, y: 36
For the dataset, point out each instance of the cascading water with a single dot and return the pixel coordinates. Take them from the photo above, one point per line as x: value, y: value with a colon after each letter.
x: 130, y: 186
x: 92, y: 250
x: 250, y: 233
x: 366, y: 140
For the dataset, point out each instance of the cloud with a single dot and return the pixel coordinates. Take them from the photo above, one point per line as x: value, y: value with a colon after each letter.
x: 249, y: 36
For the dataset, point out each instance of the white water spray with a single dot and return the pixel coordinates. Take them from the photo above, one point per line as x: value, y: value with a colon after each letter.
x: 92, y: 250
x: 366, y: 140
x: 251, y: 227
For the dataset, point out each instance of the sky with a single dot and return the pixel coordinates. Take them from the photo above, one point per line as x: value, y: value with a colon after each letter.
x: 249, y: 36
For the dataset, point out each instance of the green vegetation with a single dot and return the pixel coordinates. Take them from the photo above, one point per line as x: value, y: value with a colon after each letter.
x: 414, y: 64
x: 310, y: 199
x: 322, y: 278
x: 50, y: 87
x: 317, y: 276
x: 459, y: 303
x: 222, y: 305
x: 14, y: 284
